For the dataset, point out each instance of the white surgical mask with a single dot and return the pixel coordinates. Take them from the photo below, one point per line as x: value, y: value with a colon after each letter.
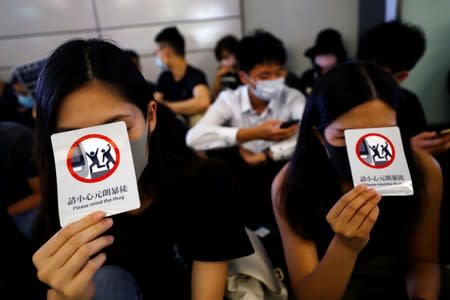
x: 325, y: 61
x: 139, y: 153
x: 161, y: 65
x: 268, y: 89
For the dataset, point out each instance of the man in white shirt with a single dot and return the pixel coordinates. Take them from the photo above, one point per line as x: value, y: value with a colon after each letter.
x: 251, y: 116
x: 249, y: 121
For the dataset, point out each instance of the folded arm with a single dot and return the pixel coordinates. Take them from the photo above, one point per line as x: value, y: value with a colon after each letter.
x: 197, y: 104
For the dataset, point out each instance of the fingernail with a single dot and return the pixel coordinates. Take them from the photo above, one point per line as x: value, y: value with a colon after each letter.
x: 99, y: 215
x: 100, y: 259
x: 108, y: 222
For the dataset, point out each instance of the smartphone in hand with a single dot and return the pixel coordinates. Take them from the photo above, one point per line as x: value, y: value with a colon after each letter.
x: 444, y: 131
x: 289, y: 123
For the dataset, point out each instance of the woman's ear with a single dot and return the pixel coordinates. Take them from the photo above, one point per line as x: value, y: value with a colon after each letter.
x: 243, y: 77
x: 151, y: 115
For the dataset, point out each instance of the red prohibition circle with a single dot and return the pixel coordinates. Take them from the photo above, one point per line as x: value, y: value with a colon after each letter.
x: 382, y: 166
x: 77, y: 142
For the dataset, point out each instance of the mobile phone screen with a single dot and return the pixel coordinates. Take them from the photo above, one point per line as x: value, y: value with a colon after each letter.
x: 444, y: 131
x: 289, y: 123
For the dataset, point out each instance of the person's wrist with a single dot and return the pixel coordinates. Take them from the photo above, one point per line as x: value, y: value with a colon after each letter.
x: 263, y: 157
x: 258, y: 133
x: 268, y: 154
x: 351, y: 248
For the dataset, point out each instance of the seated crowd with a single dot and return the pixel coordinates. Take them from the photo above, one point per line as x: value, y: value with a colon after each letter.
x: 260, y: 149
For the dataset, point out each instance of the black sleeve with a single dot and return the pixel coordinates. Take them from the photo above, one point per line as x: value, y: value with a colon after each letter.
x: 196, y: 77
x: 161, y: 83
x: 23, y: 152
x: 307, y: 81
x: 410, y: 114
x: 293, y: 81
x: 215, y: 232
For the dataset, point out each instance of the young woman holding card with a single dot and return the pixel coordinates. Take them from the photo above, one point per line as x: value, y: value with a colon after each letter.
x: 176, y: 245
x: 345, y: 242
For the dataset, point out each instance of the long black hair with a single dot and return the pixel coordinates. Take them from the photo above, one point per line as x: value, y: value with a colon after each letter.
x: 73, y: 65
x: 305, y: 197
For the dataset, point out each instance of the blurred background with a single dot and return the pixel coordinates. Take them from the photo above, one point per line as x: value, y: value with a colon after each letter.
x: 31, y: 29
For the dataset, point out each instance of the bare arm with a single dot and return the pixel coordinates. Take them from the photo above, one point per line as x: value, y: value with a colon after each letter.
x: 352, y: 219
x: 208, y: 280
x: 29, y: 202
x: 197, y: 104
x: 423, y: 280
x: 268, y: 130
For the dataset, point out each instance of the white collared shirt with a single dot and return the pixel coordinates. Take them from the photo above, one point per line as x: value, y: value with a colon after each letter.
x: 232, y: 110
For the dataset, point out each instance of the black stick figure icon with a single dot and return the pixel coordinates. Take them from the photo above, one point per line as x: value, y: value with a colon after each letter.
x: 107, y: 155
x: 386, y: 151
x: 376, y: 153
x: 94, y: 159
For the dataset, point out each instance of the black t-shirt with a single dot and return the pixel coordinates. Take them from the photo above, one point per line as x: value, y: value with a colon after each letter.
x: 410, y: 115
x: 194, y: 219
x: 309, y: 79
x: 12, y: 111
x: 293, y: 81
x: 8, y: 104
x: 16, y: 163
x: 182, y: 89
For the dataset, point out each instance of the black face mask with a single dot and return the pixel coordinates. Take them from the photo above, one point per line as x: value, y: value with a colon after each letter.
x: 339, y: 159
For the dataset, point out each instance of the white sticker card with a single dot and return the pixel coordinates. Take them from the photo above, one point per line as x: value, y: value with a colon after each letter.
x: 377, y: 159
x: 94, y: 171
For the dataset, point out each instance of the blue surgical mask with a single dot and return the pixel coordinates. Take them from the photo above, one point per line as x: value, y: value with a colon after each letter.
x: 25, y: 101
x: 161, y: 65
x: 268, y: 89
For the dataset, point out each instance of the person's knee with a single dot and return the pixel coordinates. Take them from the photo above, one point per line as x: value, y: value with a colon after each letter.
x: 112, y: 282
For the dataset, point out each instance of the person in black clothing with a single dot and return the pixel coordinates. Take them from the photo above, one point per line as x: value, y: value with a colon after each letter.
x: 8, y: 102
x: 293, y: 81
x: 178, y: 242
x: 16, y: 104
x: 227, y: 77
x: 327, y: 51
x: 180, y: 86
x: 19, y: 181
x: 397, y: 47
x: 350, y: 239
